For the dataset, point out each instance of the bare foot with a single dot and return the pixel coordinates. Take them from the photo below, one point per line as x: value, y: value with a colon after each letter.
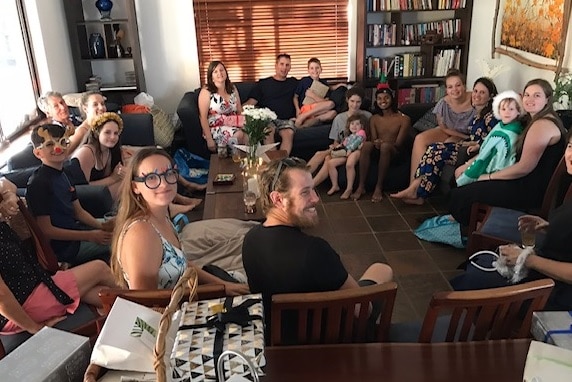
x: 404, y: 194
x: 187, y: 202
x: 415, y: 201
x: 377, y: 196
x: 333, y: 190
x: 192, y: 185
x: 346, y: 194
x: 310, y: 122
x: 359, y: 192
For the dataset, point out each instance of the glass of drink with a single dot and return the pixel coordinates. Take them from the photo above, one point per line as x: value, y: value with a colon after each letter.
x: 528, y: 236
x: 222, y: 150
x: 236, y: 155
x: 249, y: 198
x: 109, y: 221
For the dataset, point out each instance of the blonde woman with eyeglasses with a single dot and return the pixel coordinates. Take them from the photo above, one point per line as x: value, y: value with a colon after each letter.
x: 146, y: 251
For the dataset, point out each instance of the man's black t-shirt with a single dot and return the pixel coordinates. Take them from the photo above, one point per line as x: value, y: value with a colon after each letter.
x: 283, y: 259
x: 276, y: 95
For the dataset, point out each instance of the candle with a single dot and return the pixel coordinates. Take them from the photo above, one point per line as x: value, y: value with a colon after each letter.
x: 253, y: 185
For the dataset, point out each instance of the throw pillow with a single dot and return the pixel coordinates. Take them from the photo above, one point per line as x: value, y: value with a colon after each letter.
x: 428, y: 121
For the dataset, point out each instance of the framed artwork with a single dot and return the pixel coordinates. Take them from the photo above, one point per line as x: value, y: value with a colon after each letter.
x: 532, y: 32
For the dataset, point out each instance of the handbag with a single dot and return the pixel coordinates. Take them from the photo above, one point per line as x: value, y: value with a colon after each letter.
x: 192, y: 167
x: 514, y: 273
x: 123, y: 342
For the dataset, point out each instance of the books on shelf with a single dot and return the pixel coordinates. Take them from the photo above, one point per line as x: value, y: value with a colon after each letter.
x: 398, y: 5
x: 451, y: 4
x: 401, y: 65
x: 420, y: 93
x: 446, y: 59
x: 381, y: 34
x: 412, y: 5
x: 412, y: 34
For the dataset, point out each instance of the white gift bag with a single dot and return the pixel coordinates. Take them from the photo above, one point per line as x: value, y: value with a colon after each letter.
x: 128, y: 336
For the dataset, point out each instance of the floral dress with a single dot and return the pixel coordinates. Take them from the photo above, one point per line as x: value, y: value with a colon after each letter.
x: 218, y: 109
x: 440, y: 154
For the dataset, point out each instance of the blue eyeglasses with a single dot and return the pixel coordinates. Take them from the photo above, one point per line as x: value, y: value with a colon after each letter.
x: 153, y: 180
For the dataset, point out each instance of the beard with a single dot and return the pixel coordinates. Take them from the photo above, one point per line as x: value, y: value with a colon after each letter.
x: 300, y: 220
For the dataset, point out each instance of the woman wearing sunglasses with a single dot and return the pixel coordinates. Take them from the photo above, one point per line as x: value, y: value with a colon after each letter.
x: 146, y: 251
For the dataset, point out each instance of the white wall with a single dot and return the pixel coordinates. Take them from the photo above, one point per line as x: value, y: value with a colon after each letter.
x: 480, y: 48
x: 169, y: 49
x: 51, y: 44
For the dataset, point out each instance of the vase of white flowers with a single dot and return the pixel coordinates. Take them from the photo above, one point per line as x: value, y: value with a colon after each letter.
x: 256, y: 125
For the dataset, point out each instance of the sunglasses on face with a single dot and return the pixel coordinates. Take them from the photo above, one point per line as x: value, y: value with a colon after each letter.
x: 153, y: 180
x: 284, y: 163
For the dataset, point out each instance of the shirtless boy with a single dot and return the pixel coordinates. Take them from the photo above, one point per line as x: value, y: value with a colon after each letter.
x: 388, y: 130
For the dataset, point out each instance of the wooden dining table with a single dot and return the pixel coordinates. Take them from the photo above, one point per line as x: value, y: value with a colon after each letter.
x: 484, y: 361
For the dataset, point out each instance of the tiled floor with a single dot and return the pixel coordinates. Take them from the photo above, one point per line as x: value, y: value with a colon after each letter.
x: 364, y: 232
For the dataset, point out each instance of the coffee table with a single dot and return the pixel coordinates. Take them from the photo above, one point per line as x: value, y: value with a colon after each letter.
x: 225, y: 201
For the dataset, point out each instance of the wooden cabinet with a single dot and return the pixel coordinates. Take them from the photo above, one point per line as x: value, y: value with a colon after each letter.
x: 116, y: 57
x: 414, y: 42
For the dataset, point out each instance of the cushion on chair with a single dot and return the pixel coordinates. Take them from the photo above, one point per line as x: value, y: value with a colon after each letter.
x: 502, y: 223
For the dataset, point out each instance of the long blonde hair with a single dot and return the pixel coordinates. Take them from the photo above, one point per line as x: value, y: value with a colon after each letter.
x: 131, y: 207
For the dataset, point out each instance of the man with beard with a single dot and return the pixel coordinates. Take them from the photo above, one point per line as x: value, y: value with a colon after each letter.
x: 278, y: 257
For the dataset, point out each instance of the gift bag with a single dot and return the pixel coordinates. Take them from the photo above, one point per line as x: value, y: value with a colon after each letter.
x: 204, y: 335
x: 128, y: 336
x: 192, y: 167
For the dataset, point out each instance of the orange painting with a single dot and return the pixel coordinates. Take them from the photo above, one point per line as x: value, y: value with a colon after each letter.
x: 533, y: 26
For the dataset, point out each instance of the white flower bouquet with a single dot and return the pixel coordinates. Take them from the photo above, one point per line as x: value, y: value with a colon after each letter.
x: 256, y: 123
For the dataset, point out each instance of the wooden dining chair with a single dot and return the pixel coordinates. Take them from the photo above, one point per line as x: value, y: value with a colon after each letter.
x: 339, y: 316
x: 156, y: 298
x: 490, y: 226
x: 486, y: 314
x: 82, y: 321
x: 46, y: 256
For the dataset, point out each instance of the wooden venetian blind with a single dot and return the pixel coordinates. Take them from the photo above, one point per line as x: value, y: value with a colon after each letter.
x: 248, y: 34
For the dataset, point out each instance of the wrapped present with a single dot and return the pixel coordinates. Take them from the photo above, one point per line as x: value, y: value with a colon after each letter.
x: 209, y: 327
x: 49, y: 355
x: 553, y: 328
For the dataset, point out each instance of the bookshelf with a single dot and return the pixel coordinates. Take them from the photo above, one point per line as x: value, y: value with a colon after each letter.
x: 119, y: 65
x: 414, y: 42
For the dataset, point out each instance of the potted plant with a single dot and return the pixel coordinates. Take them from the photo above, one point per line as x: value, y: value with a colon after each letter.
x: 563, y: 91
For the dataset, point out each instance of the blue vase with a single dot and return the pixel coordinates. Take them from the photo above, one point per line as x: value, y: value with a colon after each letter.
x: 96, y: 46
x: 104, y: 8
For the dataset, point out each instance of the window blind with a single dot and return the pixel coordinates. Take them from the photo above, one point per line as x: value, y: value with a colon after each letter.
x: 248, y: 34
